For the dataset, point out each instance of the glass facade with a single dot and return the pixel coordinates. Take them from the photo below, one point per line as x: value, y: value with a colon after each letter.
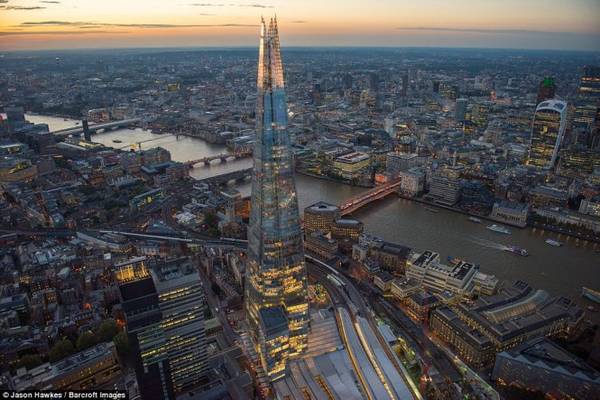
x: 276, y: 274
x: 547, y: 133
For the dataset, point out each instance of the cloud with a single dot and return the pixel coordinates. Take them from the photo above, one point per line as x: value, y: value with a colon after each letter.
x: 3, y: 1
x: 474, y: 30
x: 256, y: 5
x: 251, y: 5
x: 24, y: 8
x: 50, y: 2
x: 88, y: 24
x: 299, y: 21
x: 33, y: 33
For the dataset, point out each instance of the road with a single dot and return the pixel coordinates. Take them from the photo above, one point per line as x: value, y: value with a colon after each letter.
x: 214, y: 303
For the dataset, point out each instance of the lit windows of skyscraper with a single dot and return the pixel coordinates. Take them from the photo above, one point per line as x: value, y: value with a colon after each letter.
x: 182, y: 302
x: 276, y: 274
x: 586, y: 118
x: 143, y: 316
x: 164, y: 312
x: 590, y: 82
x: 549, y: 124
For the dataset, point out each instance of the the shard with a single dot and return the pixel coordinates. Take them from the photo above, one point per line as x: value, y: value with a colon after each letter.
x: 276, y: 287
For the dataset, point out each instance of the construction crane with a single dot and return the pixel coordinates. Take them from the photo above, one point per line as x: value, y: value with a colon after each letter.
x: 138, y: 145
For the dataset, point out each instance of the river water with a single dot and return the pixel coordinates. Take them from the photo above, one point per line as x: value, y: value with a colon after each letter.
x: 561, y: 271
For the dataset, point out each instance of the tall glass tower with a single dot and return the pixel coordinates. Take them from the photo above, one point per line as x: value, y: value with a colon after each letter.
x: 276, y: 287
x: 547, y: 132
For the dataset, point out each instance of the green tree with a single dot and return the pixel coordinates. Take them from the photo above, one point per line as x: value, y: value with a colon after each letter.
x: 122, y: 343
x: 61, y: 349
x: 86, y: 340
x: 107, y: 330
x: 29, y: 361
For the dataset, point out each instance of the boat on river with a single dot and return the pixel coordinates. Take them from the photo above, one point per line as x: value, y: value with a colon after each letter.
x: 475, y: 219
x: 553, y: 242
x: 433, y: 210
x: 590, y: 294
x: 498, y: 229
x: 117, y: 141
x: 516, y: 250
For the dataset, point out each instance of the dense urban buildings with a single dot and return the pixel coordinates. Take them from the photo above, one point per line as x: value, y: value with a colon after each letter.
x: 152, y: 238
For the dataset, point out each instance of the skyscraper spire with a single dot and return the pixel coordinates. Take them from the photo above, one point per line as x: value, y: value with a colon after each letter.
x: 276, y: 287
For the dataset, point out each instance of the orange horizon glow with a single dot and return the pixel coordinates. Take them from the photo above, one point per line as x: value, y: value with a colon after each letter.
x: 37, y: 24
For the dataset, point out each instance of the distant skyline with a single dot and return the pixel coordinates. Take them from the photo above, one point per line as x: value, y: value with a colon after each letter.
x: 520, y: 24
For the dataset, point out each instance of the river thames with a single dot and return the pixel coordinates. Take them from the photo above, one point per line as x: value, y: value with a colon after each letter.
x: 559, y: 270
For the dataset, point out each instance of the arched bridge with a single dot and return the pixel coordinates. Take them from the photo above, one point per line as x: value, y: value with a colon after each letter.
x: 124, y: 123
x: 223, y: 157
x: 354, y: 203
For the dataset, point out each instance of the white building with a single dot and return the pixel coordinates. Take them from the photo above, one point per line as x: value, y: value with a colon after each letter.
x: 461, y: 278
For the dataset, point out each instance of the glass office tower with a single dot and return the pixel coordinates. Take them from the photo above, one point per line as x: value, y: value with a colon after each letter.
x: 549, y: 124
x: 276, y: 287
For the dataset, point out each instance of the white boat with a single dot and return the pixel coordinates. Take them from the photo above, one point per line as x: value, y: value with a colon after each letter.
x: 591, y: 294
x: 553, y: 242
x: 475, y: 219
x: 498, y: 229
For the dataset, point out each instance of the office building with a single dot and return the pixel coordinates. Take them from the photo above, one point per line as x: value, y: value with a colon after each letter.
x: 480, y: 329
x: 589, y: 84
x: 586, y: 116
x: 462, y: 278
x: 86, y: 370
x: 511, y: 213
x: 320, y: 217
x: 549, y: 124
x: 412, y: 182
x: 182, y: 303
x: 352, y: 165
x: 347, y: 229
x: 445, y: 185
x: 400, y: 162
x: 460, y: 110
x: 541, y: 365
x: 590, y: 206
x: 276, y: 286
x: 143, y: 317
x: 321, y: 246
x: 546, y: 90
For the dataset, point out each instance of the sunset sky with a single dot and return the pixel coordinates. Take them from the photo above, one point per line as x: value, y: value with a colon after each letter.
x: 535, y: 24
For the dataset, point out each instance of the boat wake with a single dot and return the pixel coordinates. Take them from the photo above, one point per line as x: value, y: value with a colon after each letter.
x: 487, y: 243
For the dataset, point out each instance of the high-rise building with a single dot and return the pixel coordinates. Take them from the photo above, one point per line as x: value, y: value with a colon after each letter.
x: 143, y: 317
x: 374, y: 81
x: 276, y: 286
x: 549, y: 124
x: 404, y: 85
x: 461, y: 110
x: 586, y: 118
x: 182, y: 303
x: 164, y: 312
x: 347, y: 80
x: 546, y: 90
x: 590, y: 82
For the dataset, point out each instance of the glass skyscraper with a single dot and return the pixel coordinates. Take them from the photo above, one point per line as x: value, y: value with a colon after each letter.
x: 549, y: 124
x: 276, y: 287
